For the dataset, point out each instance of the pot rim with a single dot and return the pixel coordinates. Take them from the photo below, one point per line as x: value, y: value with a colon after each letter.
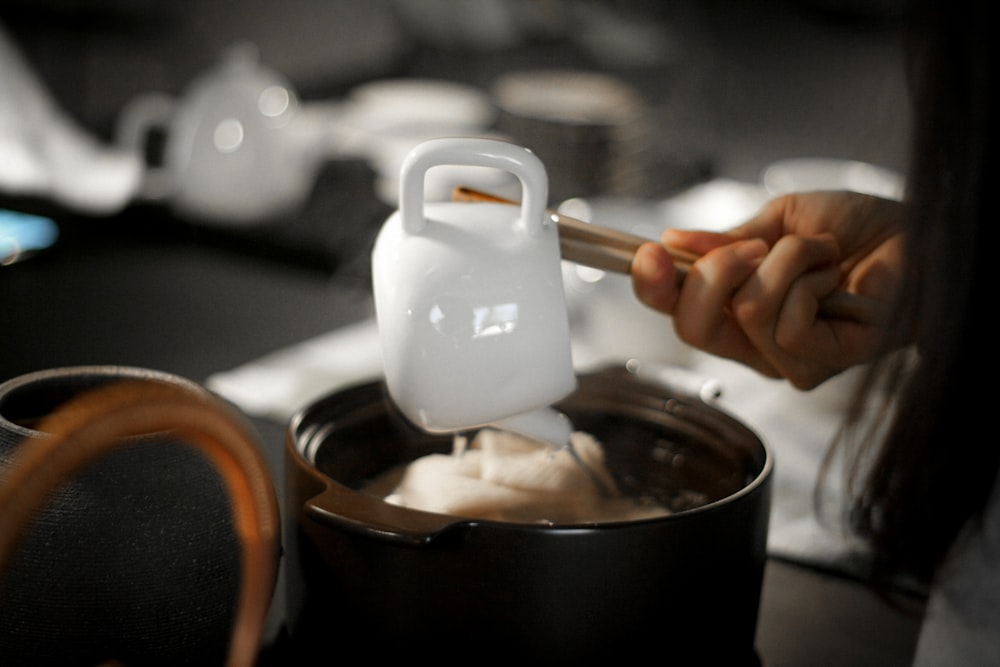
x: 110, y: 372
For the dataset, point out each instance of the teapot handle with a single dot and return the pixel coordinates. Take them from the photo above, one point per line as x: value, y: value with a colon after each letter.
x: 473, y: 152
x: 134, y: 126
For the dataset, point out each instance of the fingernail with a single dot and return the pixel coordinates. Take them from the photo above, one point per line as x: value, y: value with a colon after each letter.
x: 647, y: 264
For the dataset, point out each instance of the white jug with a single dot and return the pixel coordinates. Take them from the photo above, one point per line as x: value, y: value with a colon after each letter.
x: 469, y: 300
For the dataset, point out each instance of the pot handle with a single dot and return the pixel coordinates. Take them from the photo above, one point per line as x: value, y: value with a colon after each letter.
x: 472, y: 152
x: 372, y: 517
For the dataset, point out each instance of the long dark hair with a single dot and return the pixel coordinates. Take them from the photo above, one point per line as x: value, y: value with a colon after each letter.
x: 919, y: 481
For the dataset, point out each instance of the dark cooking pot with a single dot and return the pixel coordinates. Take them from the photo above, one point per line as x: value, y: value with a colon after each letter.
x: 686, y: 586
x: 134, y: 559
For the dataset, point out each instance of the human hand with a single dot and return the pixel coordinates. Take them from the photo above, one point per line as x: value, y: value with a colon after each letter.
x: 754, y: 294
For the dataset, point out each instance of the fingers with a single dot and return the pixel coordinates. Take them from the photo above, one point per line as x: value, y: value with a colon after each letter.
x: 878, y: 274
x: 696, y: 241
x: 754, y: 295
x: 704, y: 304
x: 777, y: 309
x: 699, y: 309
x: 797, y: 318
x: 757, y: 305
x: 654, y: 278
x: 703, y: 316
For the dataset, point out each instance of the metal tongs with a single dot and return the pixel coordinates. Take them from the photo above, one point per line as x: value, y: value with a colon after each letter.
x: 613, y: 250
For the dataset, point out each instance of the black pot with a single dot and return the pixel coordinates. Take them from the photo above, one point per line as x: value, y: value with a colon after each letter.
x: 134, y: 560
x: 685, y: 586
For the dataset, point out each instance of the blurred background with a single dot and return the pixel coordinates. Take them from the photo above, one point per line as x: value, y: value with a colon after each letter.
x: 195, y: 186
x: 271, y: 133
x: 677, y: 92
x: 824, y: 69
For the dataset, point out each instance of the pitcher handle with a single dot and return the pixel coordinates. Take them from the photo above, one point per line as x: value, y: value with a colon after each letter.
x: 473, y: 152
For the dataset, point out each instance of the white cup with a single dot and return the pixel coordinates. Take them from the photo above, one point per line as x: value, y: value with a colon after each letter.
x: 469, y: 298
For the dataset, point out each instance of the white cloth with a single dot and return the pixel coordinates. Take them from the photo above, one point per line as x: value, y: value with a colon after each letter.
x: 47, y: 154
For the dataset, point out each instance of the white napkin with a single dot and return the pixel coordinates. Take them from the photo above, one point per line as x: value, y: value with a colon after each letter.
x: 798, y: 427
x: 280, y: 384
x: 47, y: 154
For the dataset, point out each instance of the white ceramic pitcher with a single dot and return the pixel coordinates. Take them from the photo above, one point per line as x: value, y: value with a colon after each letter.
x: 469, y: 300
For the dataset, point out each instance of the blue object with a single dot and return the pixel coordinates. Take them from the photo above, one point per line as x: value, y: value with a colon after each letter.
x: 22, y: 234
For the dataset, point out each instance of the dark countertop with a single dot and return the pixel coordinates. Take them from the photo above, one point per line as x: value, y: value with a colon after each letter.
x: 762, y: 81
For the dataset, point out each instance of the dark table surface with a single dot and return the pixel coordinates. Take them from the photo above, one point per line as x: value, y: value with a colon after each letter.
x: 145, y: 289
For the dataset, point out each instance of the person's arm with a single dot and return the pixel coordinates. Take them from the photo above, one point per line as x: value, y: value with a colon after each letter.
x: 754, y: 294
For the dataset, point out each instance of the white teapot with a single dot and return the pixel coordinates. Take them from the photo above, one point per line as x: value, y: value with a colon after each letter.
x: 238, y: 148
x: 469, y: 300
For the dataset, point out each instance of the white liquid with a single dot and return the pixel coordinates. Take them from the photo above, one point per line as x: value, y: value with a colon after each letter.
x: 546, y: 424
x: 552, y: 427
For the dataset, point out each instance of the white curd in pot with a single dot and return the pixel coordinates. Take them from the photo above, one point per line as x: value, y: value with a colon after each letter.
x: 503, y: 476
